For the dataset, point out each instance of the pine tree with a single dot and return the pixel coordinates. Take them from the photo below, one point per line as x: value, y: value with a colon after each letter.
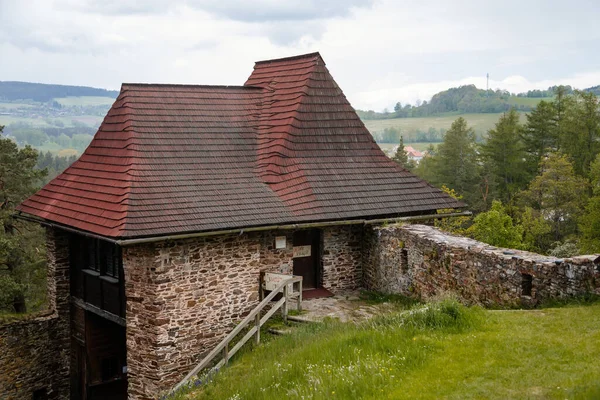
x: 401, y: 157
x: 18, y: 177
x: 455, y: 164
x: 540, y: 135
x: 503, y: 154
x: 581, y: 131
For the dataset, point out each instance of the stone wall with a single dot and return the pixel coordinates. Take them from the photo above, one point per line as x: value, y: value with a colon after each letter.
x: 184, y: 296
x: 342, y: 257
x: 421, y: 261
x: 34, y: 352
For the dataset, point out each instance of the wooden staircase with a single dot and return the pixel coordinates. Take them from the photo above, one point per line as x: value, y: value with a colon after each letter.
x: 290, y: 288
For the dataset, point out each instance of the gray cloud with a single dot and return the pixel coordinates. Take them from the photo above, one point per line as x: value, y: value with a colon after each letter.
x: 274, y: 10
x: 117, y: 7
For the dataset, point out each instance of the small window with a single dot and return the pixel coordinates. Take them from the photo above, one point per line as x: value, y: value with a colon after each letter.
x: 92, y: 250
x: 109, y: 259
x: 526, y: 284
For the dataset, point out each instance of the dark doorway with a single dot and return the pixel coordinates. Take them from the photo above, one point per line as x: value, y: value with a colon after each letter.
x: 99, y: 361
x: 307, y: 256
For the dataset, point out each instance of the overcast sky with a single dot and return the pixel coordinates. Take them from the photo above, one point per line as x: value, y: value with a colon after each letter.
x: 379, y: 51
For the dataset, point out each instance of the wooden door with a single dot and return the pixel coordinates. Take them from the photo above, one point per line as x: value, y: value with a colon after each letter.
x: 307, y: 257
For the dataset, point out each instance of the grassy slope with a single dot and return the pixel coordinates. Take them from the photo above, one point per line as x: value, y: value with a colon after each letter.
x: 479, y: 122
x: 548, y: 354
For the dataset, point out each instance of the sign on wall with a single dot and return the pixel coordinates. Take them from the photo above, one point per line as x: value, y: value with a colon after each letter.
x: 301, y: 251
x: 280, y: 242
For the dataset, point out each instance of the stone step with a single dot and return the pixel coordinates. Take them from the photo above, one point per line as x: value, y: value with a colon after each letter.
x: 298, y: 318
x: 279, y: 332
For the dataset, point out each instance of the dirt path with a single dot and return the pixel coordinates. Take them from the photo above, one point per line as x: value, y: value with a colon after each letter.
x: 347, y: 307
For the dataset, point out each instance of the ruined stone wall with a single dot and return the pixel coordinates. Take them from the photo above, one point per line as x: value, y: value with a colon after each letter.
x: 34, y: 352
x: 342, y: 257
x: 421, y: 261
x: 184, y: 296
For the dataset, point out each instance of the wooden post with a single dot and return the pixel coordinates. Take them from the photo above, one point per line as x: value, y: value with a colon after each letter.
x: 226, y: 353
x: 257, y: 322
x: 284, y: 307
x: 261, y: 290
x: 300, y: 296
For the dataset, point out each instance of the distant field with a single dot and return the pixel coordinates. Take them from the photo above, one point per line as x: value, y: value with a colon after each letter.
x: 12, y: 106
x: 90, y: 120
x: 481, y: 123
x: 527, y: 101
x: 85, y: 101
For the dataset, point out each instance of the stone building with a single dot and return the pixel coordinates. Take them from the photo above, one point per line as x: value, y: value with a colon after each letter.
x: 184, y: 196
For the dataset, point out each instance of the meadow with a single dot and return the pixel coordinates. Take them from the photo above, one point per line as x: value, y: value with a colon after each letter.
x: 439, y: 350
x: 481, y: 123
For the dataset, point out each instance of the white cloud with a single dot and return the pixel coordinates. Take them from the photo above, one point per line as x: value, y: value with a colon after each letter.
x: 379, y: 51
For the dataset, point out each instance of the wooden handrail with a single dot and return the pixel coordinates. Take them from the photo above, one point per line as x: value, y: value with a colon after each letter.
x: 254, y: 316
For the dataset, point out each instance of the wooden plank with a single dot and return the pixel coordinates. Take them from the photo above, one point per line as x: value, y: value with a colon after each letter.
x: 225, y: 342
x: 272, y: 311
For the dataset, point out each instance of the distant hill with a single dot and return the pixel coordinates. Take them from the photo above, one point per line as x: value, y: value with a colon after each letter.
x: 468, y: 99
x: 593, y: 89
x: 41, y: 92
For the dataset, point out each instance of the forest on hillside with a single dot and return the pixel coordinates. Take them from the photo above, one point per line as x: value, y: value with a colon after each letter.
x: 533, y: 184
x: 469, y: 99
x: 41, y: 92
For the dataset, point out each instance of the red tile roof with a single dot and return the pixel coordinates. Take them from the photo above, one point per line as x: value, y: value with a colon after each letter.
x: 286, y: 147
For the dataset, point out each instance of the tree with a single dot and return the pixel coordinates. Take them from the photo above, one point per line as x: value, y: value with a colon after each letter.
x: 535, y: 231
x: 504, y: 155
x: 539, y: 135
x: 425, y: 169
x: 496, y: 227
x: 401, y: 156
x: 559, y: 194
x: 21, y: 254
x: 589, y: 222
x: 455, y: 164
x: 456, y: 225
x: 562, y: 103
x: 581, y: 131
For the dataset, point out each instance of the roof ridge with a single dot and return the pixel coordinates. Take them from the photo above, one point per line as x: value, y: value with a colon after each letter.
x: 184, y: 85
x: 307, y: 55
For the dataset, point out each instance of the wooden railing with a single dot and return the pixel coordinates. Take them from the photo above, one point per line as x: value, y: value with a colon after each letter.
x: 253, y: 318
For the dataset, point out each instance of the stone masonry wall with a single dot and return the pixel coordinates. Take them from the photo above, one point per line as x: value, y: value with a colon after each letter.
x: 421, y: 261
x: 184, y: 296
x: 342, y: 257
x: 34, y: 352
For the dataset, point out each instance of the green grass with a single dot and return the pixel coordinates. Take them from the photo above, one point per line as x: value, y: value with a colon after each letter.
x: 481, y: 123
x: 441, y: 351
x: 85, y: 101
